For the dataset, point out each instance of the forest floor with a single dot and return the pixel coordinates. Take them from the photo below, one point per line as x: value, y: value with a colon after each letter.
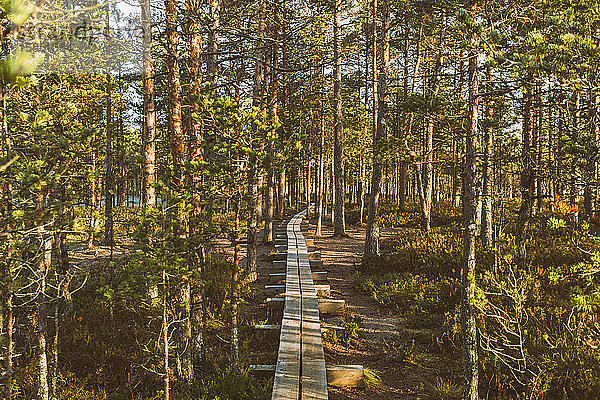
x: 377, y: 332
x: 404, y: 359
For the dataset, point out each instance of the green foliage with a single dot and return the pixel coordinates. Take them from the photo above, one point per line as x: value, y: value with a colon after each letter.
x: 372, y: 379
x: 554, y: 302
x: 443, y: 389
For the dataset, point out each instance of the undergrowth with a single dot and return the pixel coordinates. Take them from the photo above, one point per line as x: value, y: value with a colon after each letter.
x: 553, y: 304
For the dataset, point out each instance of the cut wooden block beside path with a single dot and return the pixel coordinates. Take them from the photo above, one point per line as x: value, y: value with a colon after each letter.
x: 349, y: 376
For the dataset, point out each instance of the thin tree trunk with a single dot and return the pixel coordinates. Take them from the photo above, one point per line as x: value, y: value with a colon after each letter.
x: 363, y: 188
x: 173, y: 76
x: 235, y: 348
x: 273, y: 110
x: 488, y: 183
x: 338, y: 128
x: 539, y: 147
x: 41, y: 326
x: 527, y: 174
x: 257, y: 101
x: 457, y: 145
x: 468, y: 323
x: 574, y: 192
x: 92, y: 221
x: 281, y: 193
x: 194, y: 182
x: 214, y: 25
x: 591, y: 185
x: 149, y: 131
x: 372, y: 235
x: 321, y: 171
x: 109, y: 176
x: 165, y: 336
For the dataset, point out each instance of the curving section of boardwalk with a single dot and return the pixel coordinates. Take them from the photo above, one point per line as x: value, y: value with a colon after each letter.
x: 300, y: 372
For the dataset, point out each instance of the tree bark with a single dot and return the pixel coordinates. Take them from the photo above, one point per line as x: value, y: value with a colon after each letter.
x: 165, y: 336
x: 273, y: 114
x: 41, y: 325
x: 527, y: 174
x: 253, y: 194
x: 214, y: 25
x: 149, y: 130
x: 92, y: 221
x: 197, y: 315
x: 468, y: 322
x: 235, y: 348
x: 591, y: 185
x: 372, y: 234
x: 338, y: 128
x: 173, y: 76
x: 321, y: 171
x: 574, y: 192
x: 487, y: 228
x: 109, y: 176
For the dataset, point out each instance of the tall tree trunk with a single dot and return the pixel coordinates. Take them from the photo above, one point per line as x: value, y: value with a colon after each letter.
x: 197, y: 315
x: 109, y: 177
x: 235, y: 348
x: 591, y: 185
x: 428, y: 178
x: 149, y: 130
x: 372, y: 235
x: 375, y: 72
x: 468, y: 323
x: 539, y: 146
x: 8, y: 273
x: 273, y: 114
x: 93, y: 205
x: 214, y: 24
x: 257, y: 101
x: 281, y: 193
x: 165, y: 336
x: 9, y: 333
x: 527, y: 174
x: 173, y: 76
x: 487, y: 228
x: 321, y: 171
x: 41, y: 323
x: 338, y: 128
x: 457, y: 145
x: 363, y: 188
x: 574, y: 191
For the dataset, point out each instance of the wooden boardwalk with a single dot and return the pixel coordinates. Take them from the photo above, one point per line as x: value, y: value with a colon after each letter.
x: 300, y: 372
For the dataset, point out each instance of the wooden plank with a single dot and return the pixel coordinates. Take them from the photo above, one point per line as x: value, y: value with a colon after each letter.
x: 300, y: 330
x: 318, y: 276
x: 323, y: 290
x: 267, y: 327
x: 277, y: 277
x: 337, y: 375
x: 274, y: 290
x: 332, y: 306
x: 286, y: 383
x: 274, y: 327
x: 345, y: 375
x: 315, y: 255
x: 314, y: 375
